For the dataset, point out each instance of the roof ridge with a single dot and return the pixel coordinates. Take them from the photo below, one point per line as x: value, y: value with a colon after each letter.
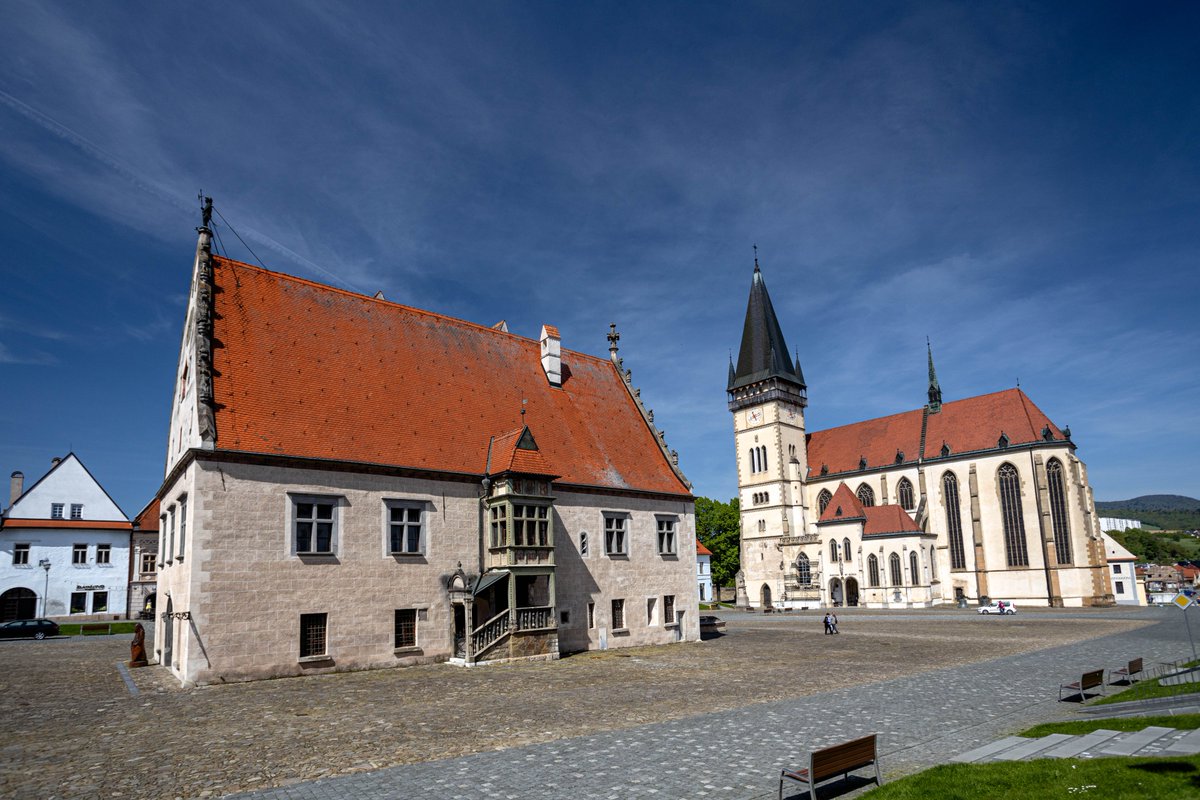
x: 384, y: 301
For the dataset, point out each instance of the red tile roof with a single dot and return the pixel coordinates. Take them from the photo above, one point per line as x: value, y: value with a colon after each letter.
x: 552, y: 331
x: 972, y: 424
x: 85, y: 524
x: 509, y: 456
x: 843, y: 506
x: 701, y: 550
x: 302, y: 369
x: 147, y: 520
x: 888, y: 519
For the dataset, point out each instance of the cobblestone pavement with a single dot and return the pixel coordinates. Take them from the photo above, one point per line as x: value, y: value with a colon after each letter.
x: 709, y: 719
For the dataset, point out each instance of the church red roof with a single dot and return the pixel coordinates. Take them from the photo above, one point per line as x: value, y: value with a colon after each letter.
x: 307, y: 370
x: 843, y: 506
x: 968, y: 425
x: 888, y: 519
x: 508, y: 455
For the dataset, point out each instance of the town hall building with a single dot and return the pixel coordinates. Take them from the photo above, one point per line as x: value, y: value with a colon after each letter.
x: 352, y: 483
x: 964, y: 500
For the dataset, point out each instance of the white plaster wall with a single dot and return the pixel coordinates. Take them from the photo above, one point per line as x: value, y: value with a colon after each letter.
x: 68, y: 483
x: 65, y: 577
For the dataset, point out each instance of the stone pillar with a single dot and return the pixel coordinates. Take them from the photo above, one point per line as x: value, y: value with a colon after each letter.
x: 981, y: 582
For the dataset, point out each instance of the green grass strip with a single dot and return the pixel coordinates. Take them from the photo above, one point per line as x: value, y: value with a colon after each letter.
x: 75, y: 628
x: 1108, y: 778
x: 1147, y: 690
x: 1183, y: 722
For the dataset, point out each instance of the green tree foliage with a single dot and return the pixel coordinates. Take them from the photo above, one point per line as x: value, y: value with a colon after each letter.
x: 1157, y: 548
x: 718, y: 525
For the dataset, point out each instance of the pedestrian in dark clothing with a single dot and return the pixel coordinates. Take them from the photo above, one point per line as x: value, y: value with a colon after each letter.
x: 828, y: 624
x: 833, y: 623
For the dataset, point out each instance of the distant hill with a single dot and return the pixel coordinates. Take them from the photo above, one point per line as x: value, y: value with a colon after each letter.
x: 1151, y: 502
x: 1168, y: 511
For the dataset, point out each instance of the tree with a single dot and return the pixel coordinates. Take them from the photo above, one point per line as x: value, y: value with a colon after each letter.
x: 718, y: 525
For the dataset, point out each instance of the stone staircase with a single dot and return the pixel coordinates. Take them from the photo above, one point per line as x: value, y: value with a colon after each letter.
x: 1151, y: 741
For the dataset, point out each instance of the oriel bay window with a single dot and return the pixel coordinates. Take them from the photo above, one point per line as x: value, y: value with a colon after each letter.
x: 314, y: 525
x: 531, y: 525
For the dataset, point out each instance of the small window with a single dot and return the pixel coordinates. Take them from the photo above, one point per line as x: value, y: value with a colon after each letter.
x: 406, y: 627
x: 914, y: 569
x: 762, y: 525
x: 1116, y: 567
x: 499, y: 523
x: 148, y: 563
x: 20, y: 555
x: 564, y: 617
x: 162, y: 537
x: 651, y: 610
x: 1120, y: 587
x: 846, y: 549
x: 76, y: 510
x: 669, y: 609
x: 583, y: 544
x: 104, y: 554
x: 618, y: 614
x: 616, y: 543
x: 833, y: 550
x: 99, y: 602
x: 79, y: 554
x: 315, y: 526
x: 56, y: 511
x: 183, y: 505
x: 312, y: 635
x: 406, y: 534
x: 591, y: 608
x: 823, y: 500
x: 531, y: 526
x: 78, y: 602
x: 666, y: 537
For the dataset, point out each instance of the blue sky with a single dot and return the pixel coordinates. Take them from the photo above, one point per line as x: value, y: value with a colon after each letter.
x: 1018, y: 181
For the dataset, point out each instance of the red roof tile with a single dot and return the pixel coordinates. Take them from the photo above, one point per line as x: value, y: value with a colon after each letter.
x: 147, y: 520
x: 888, y: 519
x: 972, y: 424
x: 508, y: 455
x: 701, y: 550
x: 302, y: 369
x: 843, y: 506
x: 107, y: 525
x: 552, y: 331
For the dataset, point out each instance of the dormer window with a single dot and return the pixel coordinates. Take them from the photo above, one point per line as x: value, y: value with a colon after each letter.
x: 76, y: 510
x: 1003, y: 442
x: 899, y: 456
x: 1047, y: 434
x: 945, y: 449
x: 56, y: 510
x: 862, y: 462
x: 824, y: 469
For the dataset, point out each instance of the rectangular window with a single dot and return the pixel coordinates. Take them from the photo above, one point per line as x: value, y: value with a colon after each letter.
x: 583, y: 544
x: 531, y: 526
x: 618, y: 614
x: 668, y: 609
x: 615, y: 541
x: 56, y: 511
x: 312, y: 635
x: 79, y: 554
x: 1120, y: 587
x: 99, y: 602
x: 182, y: 525
x: 148, y: 563
x: 406, y: 627
x: 162, y: 534
x: 651, y: 610
x: 76, y: 510
x: 314, y: 526
x: 20, y: 555
x: 170, y: 534
x: 591, y: 615
x: 666, y: 537
x: 405, y: 532
x: 78, y: 602
x: 499, y: 518
x: 564, y: 617
x: 1117, y: 569
x: 104, y: 554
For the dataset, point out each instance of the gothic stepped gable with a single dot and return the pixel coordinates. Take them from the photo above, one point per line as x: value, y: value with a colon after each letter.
x: 306, y: 370
x: 970, y: 425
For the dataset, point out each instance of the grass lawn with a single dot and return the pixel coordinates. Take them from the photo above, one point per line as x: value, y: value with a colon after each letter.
x: 72, y: 629
x: 1145, y: 690
x: 1081, y: 726
x: 1108, y: 778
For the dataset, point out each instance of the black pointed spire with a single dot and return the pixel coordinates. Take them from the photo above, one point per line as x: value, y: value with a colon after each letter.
x: 764, y: 352
x: 935, y: 391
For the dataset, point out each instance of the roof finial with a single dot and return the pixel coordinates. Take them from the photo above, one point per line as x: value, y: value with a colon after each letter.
x: 523, y: 402
x: 935, y: 390
x: 613, y: 338
x: 205, y: 210
x: 756, y: 258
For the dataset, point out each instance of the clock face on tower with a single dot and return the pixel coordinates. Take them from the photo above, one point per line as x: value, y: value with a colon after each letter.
x: 755, y: 416
x: 791, y: 415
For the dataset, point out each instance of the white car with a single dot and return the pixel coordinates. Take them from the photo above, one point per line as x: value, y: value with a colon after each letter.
x: 999, y: 607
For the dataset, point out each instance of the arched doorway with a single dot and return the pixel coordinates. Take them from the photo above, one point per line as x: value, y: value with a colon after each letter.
x: 18, y: 603
x: 851, y: 591
x: 766, y: 596
x: 835, y: 592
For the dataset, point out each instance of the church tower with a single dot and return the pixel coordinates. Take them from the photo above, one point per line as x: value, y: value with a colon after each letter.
x: 767, y: 397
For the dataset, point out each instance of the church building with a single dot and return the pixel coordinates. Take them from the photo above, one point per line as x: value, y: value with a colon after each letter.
x: 967, y: 500
x: 352, y: 483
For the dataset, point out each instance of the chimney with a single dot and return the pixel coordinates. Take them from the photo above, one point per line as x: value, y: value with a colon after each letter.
x: 54, y: 462
x: 16, y: 487
x: 552, y: 354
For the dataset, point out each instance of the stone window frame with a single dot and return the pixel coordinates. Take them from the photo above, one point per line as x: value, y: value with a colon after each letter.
x: 21, y: 554
x: 668, y: 607
x: 914, y: 568
x: 652, y: 612
x: 1059, y: 518
x: 584, y: 549
x: 895, y: 569
x: 833, y: 551
x: 182, y: 504
x: 591, y: 616
x: 873, y: 571
x: 865, y: 495
x: 297, y: 499
x: 406, y: 629
x: 314, y: 635
x: 667, y: 538
x: 1012, y: 514
x: 954, y: 531
x: 617, y: 610
x: 823, y: 500
x: 391, y: 504
x: 905, y: 494
x: 149, y: 558
x: 616, y: 534
x: 846, y: 552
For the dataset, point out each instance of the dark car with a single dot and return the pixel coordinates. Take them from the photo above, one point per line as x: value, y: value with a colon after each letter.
x: 28, y: 629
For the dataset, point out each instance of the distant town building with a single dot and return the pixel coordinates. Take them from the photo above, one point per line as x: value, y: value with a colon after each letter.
x: 1118, y: 524
x: 1162, y: 582
x: 704, y: 584
x: 143, y: 562
x: 974, y: 498
x: 353, y: 483
x: 1127, y: 589
x: 64, y: 547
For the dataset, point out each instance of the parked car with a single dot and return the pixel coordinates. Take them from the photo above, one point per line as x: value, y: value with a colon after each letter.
x: 999, y: 607
x: 28, y: 629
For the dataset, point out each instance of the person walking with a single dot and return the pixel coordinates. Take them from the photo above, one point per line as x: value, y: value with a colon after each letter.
x: 833, y: 623
x: 828, y: 624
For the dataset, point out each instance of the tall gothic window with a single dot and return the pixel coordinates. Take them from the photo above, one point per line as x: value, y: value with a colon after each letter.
x: 823, y: 500
x: 866, y: 495
x: 833, y: 550
x: 914, y: 568
x: 897, y: 571
x: 904, y: 490
x: 804, y: 570
x: 1015, y: 548
x: 872, y: 570
x: 846, y: 549
x: 1058, y: 511
x: 958, y: 557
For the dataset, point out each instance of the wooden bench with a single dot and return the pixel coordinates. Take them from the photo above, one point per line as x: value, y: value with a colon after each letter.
x: 92, y: 628
x: 1089, y: 680
x: 1127, y: 672
x: 841, y: 759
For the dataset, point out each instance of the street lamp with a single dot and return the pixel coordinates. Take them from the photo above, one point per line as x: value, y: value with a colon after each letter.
x: 45, y: 564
